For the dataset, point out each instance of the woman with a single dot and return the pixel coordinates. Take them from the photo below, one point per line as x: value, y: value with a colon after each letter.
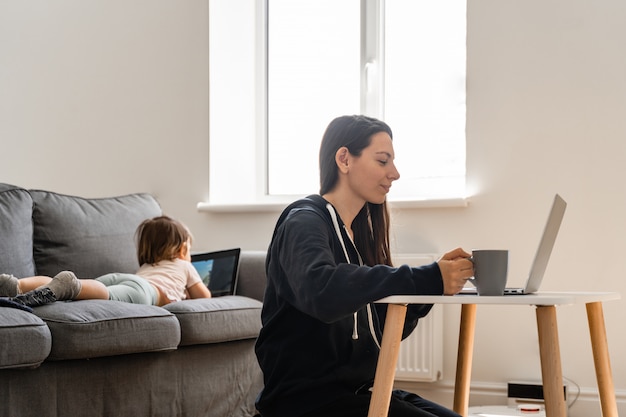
x: 327, y: 262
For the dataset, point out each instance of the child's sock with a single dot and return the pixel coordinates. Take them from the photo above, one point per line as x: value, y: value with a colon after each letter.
x: 64, y: 285
x: 9, y: 286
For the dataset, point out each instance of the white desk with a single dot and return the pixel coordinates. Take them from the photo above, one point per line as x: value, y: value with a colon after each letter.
x: 552, y: 375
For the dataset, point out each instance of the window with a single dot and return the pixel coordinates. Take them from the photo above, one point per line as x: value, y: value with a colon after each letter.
x: 280, y: 70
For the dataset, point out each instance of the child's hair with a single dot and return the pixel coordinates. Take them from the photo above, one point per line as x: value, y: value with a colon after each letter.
x: 160, y: 238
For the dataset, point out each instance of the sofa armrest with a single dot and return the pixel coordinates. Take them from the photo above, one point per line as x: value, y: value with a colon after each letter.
x: 252, y: 280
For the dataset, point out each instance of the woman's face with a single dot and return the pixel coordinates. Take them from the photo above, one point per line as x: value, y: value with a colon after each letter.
x: 371, y: 174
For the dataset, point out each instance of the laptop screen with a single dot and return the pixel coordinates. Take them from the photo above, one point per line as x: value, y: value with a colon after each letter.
x: 218, y: 270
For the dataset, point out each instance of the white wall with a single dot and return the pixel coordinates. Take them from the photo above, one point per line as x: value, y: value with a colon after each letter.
x: 104, y: 98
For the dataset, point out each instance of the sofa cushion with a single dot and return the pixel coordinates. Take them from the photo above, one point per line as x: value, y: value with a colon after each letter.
x: 24, y: 339
x: 16, y: 231
x: 93, y: 328
x: 91, y: 237
x: 215, y: 320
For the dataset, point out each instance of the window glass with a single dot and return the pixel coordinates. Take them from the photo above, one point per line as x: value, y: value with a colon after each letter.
x: 280, y: 70
x: 425, y: 95
x: 313, y: 76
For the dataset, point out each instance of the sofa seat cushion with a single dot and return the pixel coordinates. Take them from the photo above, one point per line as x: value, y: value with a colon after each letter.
x: 94, y: 328
x: 25, y: 340
x: 16, y: 232
x: 215, y: 320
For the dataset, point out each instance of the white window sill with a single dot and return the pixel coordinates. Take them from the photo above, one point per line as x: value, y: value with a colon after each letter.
x: 277, y: 206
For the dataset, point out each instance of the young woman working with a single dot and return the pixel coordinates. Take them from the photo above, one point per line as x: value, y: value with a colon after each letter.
x: 327, y: 262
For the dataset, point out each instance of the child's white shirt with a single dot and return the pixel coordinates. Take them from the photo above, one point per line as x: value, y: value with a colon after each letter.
x: 171, y: 277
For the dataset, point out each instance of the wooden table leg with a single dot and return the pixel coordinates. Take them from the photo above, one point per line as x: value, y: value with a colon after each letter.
x: 551, y: 371
x: 601, y: 359
x: 387, y: 360
x: 464, y: 359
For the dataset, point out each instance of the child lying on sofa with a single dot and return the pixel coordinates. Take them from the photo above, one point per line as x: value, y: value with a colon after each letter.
x: 165, y: 275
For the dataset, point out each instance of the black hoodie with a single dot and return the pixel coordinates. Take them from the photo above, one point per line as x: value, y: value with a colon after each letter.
x: 321, y: 336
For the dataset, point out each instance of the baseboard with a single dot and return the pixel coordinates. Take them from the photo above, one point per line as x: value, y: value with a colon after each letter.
x: 581, y: 404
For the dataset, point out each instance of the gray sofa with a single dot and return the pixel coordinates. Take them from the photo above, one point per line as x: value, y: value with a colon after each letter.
x: 105, y: 358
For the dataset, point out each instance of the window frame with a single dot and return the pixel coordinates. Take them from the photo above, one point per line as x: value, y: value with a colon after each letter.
x: 372, y: 103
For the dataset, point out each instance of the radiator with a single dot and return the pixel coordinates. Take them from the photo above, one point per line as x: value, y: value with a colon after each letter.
x: 421, y: 354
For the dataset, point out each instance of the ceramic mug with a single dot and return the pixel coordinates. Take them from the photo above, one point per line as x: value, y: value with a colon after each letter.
x: 490, y: 270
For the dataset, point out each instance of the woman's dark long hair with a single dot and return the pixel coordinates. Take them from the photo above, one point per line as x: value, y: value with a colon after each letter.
x: 371, y: 225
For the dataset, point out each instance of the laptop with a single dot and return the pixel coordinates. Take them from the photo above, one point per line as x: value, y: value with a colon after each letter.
x: 542, y: 256
x: 218, y: 270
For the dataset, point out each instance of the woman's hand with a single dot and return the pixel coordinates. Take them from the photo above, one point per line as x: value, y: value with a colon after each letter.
x: 456, y: 269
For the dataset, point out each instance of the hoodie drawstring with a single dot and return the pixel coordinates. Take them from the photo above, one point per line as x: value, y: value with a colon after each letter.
x: 329, y: 207
x: 355, y: 332
x: 331, y: 210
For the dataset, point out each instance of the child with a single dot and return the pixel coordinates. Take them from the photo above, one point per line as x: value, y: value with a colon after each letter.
x: 165, y: 275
